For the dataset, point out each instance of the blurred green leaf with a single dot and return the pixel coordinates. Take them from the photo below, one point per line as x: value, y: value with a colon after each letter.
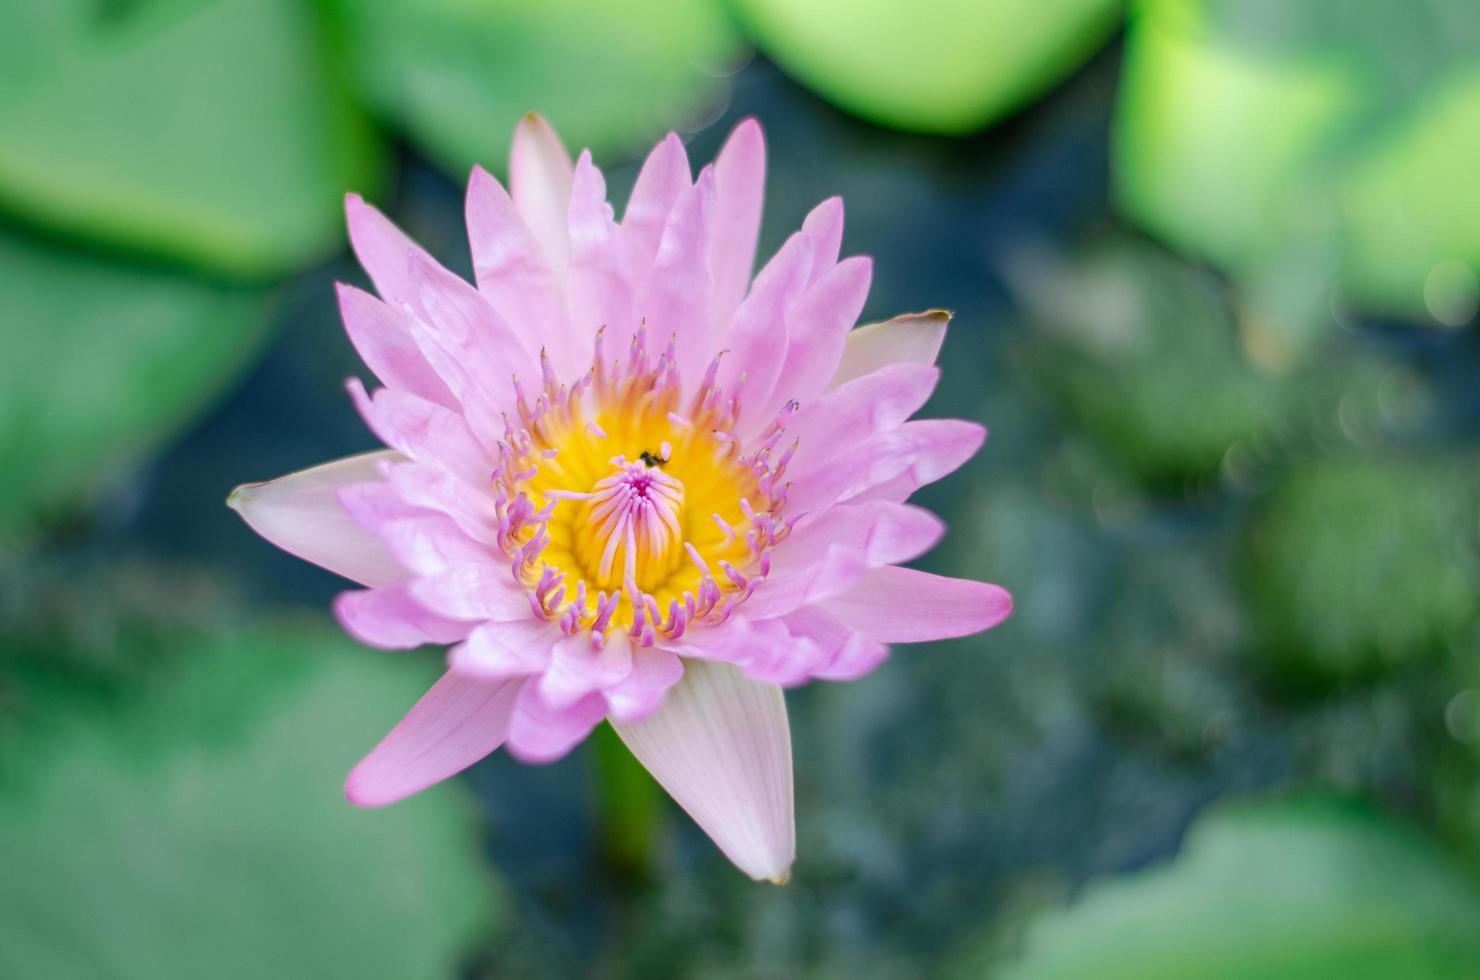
x: 941, y: 66
x: 456, y: 76
x: 197, y: 826
x: 1301, y: 889
x: 212, y: 131
x: 1257, y: 133
x: 1142, y: 351
x: 1359, y: 565
x: 100, y: 360
x: 1454, y: 764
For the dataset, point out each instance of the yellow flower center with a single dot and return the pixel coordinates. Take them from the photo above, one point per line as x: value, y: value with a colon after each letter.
x: 623, y: 506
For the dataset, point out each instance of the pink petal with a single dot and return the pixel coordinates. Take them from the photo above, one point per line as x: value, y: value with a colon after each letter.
x: 383, y: 250
x: 908, y: 457
x: 430, y: 544
x: 423, y: 430
x: 740, y: 179
x: 882, y: 532
x: 824, y: 226
x: 497, y: 650
x: 721, y: 746
x: 389, y: 618
x: 469, y: 327
x: 382, y: 337
x: 914, y: 338
x: 373, y: 504
x: 540, y: 733
x: 675, y: 297
x: 482, y: 397
x: 877, y: 402
x: 597, y: 291
x: 430, y: 487
x: 540, y: 175
x: 579, y: 667
x: 654, y: 671
x: 846, y: 654
x: 767, y: 652
x: 903, y: 605
x: 805, y: 643
x: 510, y: 269
x: 757, y: 333
x: 474, y: 592
x: 455, y: 724
x: 301, y: 514
x: 664, y: 176
x: 817, y: 329
x: 839, y: 564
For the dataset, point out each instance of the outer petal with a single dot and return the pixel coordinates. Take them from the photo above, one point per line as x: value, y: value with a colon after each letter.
x: 720, y: 745
x: 914, y: 338
x: 459, y: 721
x: 540, y: 733
x: 383, y: 250
x: 817, y: 329
x: 429, y: 487
x: 301, y: 514
x: 806, y: 643
x: 825, y: 227
x: 654, y: 671
x: 883, y: 532
x: 382, y: 337
x: 467, y: 325
x: 485, y: 593
x: 539, y: 180
x: 757, y: 334
x: 839, y: 565
x: 579, y: 667
x: 390, y: 619
x: 674, y: 299
x: 740, y: 180
x: 876, y: 402
x: 597, y: 291
x: 849, y: 655
x: 904, y: 605
x: 498, y: 650
x: 664, y: 176
x: 423, y: 430
x: 430, y: 544
x: 509, y: 265
x: 907, y: 458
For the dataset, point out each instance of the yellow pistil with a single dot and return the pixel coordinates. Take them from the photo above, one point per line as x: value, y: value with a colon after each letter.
x: 623, y: 506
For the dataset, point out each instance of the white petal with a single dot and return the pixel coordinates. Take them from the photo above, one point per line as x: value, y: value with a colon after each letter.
x: 720, y: 745
x: 914, y: 338
x: 540, y: 174
x: 301, y: 514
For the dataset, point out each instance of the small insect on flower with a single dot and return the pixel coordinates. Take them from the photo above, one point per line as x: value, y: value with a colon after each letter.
x: 523, y: 516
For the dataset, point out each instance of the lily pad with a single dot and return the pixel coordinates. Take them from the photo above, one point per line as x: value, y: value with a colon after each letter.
x: 456, y: 76
x: 1305, y: 889
x: 1257, y: 133
x: 936, y: 66
x: 102, y: 360
x: 211, y: 131
x: 197, y: 827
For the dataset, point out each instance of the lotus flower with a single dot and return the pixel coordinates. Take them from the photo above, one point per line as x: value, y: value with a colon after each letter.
x: 628, y: 482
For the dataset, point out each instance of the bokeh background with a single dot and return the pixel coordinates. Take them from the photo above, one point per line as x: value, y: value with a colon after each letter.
x: 1214, y: 266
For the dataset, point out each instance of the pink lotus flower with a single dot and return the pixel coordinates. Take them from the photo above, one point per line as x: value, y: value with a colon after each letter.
x: 627, y: 482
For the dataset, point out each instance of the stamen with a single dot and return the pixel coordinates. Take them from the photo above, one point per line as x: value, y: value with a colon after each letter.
x: 591, y: 517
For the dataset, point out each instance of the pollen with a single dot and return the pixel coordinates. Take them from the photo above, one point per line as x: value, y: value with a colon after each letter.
x: 625, y: 505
